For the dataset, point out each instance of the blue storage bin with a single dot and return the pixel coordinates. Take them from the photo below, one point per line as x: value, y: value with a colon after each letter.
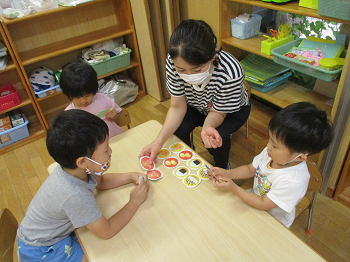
x: 270, y: 86
x: 48, y: 91
x: 14, y: 134
x: 245, y: 30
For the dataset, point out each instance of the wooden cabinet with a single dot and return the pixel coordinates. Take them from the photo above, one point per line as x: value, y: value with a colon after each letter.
x: 287, y: 93
x: 13, y: 75
x: 55, y: 37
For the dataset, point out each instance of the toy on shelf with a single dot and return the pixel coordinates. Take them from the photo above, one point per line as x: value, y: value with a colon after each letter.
x: 280, y: 38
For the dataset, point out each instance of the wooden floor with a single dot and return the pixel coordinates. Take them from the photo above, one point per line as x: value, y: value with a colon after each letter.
x: 23, y: 170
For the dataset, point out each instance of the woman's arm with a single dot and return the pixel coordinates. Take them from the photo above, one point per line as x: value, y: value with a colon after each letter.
x: 174, y: 117
x: 210, y: 136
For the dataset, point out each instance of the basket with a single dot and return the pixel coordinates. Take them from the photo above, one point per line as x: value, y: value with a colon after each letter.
x: 318, y: 72
x: 48, y: 91
x: 246, y: 30
x: 14, y: 134
x: 9, y: 100
x: 270, y: 86
x: 335, y: 8
x: 111, y: 64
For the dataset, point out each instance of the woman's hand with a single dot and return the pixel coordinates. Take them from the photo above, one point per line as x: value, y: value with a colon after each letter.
x: 211, y: 137
x: 151, y: 150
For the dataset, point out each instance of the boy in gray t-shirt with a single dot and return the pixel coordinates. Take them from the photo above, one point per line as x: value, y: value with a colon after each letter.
x: 78, y: 141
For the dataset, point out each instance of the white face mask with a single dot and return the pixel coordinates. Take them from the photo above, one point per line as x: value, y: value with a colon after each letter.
x: 196, y: 79
x: 294, y: 159
x: 104, y: 167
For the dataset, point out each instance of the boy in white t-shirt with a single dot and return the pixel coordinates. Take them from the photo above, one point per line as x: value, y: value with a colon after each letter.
x: 281, y: 176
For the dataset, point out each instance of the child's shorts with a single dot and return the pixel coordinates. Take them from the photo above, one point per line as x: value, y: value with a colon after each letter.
x: 67, y: 249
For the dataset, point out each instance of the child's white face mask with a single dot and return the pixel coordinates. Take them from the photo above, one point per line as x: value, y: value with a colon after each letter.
x: 294, y: 158
x: 104, y: 167
x: 196, y: 79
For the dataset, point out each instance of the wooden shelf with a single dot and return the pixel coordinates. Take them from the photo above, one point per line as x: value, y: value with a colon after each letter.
x: 75, y: 43
x: 289, y: 93
x: 291, y: 8
x: 252, y: 44
x: 23, y: 103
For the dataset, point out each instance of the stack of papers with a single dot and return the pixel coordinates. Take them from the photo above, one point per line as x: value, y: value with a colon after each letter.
x: 262, y: 71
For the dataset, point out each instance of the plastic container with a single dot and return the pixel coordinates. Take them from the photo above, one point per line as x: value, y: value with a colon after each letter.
x: 9, y: 100
x: 111, y: 64
x: 245, y: 30
x: 270, y: 86
x: 48, y: 91
x: 313, y: 4
x: 315, y: 71
x: 334, y: 8
x: 14, y: 134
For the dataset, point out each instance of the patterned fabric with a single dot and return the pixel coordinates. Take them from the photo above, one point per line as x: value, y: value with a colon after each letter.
x: 225, y: 91
x: 261, y: 70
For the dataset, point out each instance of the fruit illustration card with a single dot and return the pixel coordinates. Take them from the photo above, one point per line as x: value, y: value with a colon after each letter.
x: 171, y: 162
x: 191, y: 180
x: 154, y: 174
x: 163, y: 153
x: 144, y: 161
x: 181, y: 172
x: 177, y: 147
x: 185, y: 154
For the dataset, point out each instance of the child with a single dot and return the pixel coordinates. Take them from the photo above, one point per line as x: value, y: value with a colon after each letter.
x: 79, y: 83
x: 280, y: 172
x: 78, y: 142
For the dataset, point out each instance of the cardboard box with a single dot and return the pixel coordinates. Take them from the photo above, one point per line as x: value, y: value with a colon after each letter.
x: 5, y: 121
x: 16, y: 117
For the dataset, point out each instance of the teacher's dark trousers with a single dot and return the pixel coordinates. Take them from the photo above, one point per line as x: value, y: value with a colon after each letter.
x: 231, y: 124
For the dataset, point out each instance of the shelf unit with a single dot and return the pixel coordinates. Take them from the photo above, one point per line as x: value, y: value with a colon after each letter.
x: 56, y: 37
x: 287, y: 93
x: 13, y: 75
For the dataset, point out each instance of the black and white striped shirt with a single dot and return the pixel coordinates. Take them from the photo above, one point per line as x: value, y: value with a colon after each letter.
x: 225, y: 91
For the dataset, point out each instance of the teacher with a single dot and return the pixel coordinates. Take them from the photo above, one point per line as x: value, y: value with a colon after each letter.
x: 206, y: 88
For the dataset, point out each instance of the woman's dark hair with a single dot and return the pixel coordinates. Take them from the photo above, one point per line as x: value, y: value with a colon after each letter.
x: 74, y: 133
x: 194, y: 41
x: 78, y: 79
x: 302, y: 127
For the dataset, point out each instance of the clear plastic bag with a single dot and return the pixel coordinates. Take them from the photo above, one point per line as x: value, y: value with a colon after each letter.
x: 123, y: 91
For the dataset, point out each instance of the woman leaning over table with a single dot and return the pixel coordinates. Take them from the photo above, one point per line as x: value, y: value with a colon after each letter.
x: 206, y: 88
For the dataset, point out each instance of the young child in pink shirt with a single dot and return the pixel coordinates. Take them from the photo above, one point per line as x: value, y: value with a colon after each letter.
x: 79, y: 83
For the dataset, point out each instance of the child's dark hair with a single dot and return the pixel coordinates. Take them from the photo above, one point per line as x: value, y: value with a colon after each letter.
x: 78, y: 79
x: 302, y: 127
x: 194, y: 41
x: 74, y: 133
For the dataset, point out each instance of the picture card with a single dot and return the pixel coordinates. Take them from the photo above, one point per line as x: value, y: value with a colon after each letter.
x: 195, y: 163
x: 177, y: 147
x: 154, y: 174
x: 144, y: 161
x: 186, y: 154
x: 163, y: 153
x: 181, y: 171
x: 171, y: 162
x: 102, y: 113
x: 191, y: 180
x: 202, y: 173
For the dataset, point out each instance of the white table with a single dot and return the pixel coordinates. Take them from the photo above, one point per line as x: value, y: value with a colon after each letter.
x: 177, y: 223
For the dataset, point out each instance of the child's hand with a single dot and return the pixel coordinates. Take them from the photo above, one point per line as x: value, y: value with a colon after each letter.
x: 139, y: 193
x: 218, y: 172
x: 135, y: 177
x: 111, y: 113
x: 224, y: 183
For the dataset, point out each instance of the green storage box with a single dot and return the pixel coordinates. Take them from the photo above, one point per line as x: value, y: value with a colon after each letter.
x: 111, y: 64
